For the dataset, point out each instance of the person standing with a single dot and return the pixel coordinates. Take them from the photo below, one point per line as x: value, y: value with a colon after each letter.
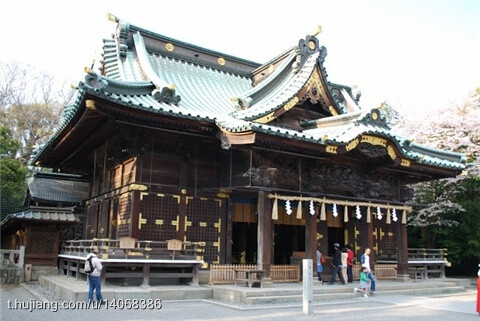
x: 350, y: 257
x: 337, y: 262
x: 319, y: 264
x: 344, y: 256
x: 365, y: 260
x: 478, y: 290
x: 94, y: 282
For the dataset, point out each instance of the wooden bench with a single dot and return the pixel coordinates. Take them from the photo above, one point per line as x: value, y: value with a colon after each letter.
x: 428, y: 266
x: 417, y: 272
x: 251, y: 276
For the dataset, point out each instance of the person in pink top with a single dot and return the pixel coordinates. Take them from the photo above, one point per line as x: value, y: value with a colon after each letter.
x: 478, y: 291
x: 350, y: 257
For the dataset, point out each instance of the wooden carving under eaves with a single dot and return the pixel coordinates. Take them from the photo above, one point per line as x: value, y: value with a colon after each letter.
x: 228, y: 139
x: 315, y: 90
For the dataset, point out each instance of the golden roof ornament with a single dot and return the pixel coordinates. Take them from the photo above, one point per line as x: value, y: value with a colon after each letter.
x: 318, y: 31
x: 88, y: 70
x: 111, y: 17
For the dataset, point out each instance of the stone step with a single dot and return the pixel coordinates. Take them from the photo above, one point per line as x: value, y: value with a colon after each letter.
x: 349, y: 295
x: 325, y: 288
x: 424, y: 291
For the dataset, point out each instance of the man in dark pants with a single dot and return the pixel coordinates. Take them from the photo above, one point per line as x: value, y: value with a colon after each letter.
x: 337, y: 262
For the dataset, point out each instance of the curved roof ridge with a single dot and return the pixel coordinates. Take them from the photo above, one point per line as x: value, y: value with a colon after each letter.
x: 287, y: 86
x: 277, y: 57
x: 268, y: 82
x: 333, y: 120
x: 144, y: 62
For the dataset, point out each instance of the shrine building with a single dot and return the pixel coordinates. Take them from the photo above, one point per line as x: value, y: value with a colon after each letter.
x: 256, y: 162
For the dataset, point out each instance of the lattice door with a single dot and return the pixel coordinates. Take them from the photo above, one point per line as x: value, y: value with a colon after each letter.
x: 158, y: 217
x: 384, y: 239
x: 92, y: 221
x: 41, y: 243
x: 203, y: 223
x: 124, y: 216
x: 42, y: 246
x: 102, y: 229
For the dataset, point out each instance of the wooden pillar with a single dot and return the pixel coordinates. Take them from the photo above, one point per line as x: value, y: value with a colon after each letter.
x: 223, y: 209
x: 182, y: 208
x: 182, y: 212
x: 103, y: 275
x: 229, y: 229
x: 135, y: 211
x: 265, y: 233
x: 322, y: 229
x: 77, y: 273
x: 195, y: 275
x: 146, y: 275
x: 311, y: 239
x: 69, y: 270
x: 402, y: 252
x: 369, y: 241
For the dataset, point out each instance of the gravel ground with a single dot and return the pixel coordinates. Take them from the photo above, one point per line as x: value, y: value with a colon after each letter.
x: 41, y: 292
x: 388, y: 307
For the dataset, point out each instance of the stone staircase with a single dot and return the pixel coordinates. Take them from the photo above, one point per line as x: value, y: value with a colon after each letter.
x: 328, y: 292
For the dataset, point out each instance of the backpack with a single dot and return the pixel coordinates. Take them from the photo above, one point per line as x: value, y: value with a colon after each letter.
x: 89, y: 265
x: 323, y: 260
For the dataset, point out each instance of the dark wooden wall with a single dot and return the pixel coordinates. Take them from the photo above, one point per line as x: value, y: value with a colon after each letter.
x: 176, y: 184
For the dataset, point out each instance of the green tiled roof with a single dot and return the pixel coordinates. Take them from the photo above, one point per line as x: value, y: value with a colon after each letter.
x: 58, y: 190
x: 42, y: 214
x: 179, y: 83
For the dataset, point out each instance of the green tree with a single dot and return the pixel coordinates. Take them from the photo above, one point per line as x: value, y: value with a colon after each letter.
x: 463, y: 240
x: 12, y: 175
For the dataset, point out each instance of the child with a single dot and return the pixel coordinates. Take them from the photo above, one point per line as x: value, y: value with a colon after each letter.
x: 363, y: 282
x: 319, y: 264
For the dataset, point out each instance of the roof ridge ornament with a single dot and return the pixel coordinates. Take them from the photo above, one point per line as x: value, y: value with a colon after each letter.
x: 375, y: 117
x: 306, y: 48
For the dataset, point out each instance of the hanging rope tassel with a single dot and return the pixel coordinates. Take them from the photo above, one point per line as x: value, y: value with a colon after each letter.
x: 404, y: 217
x: 299, y: 210
x: 345, y: 214
x: 275, y: 210
x: 369, y: 219
x: 323, y: 214
x: 388, y: 216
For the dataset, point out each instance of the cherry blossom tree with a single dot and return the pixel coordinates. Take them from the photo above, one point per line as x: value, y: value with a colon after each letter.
x: 447, y: 211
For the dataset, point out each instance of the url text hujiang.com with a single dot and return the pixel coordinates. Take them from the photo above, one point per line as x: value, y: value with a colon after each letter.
x: 54, y: 306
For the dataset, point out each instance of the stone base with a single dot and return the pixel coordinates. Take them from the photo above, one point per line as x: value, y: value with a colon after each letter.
x: 404, y: 278
x: 11, y: 275
x: 267, y: 282
x: 40, y: 270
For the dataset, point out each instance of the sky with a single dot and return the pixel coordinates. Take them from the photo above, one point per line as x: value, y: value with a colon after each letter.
x: 417, y: 55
